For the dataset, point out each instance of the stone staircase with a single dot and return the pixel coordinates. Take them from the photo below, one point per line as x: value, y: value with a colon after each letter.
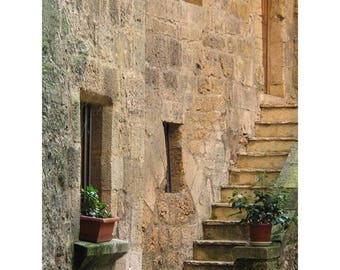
x: 267, y: 152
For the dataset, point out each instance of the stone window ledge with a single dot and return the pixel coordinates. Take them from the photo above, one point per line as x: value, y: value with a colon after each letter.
x: 91, y: 255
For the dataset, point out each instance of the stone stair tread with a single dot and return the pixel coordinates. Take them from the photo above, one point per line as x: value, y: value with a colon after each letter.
x: 261, y: 122
x: 220, y: 222
x: 278, y: 106
x: 222, y: 242
x: 208, y: 263
x: 259, y: 170
x: 221, y: 204
x: 262, y: 154
x: 243, y: 187
x: 273, y: 139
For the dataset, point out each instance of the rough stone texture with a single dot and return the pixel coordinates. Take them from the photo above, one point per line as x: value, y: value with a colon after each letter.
x: 256, y: 265
x: 93, y: 51
x: 60, y: 138
x: 259, y: 253
x: 98, y: 255
x: 200, y: 72
x: 197, y: 64
x: 257, y: 258
x: 289, y: 179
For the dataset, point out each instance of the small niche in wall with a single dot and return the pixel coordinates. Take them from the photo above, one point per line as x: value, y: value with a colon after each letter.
x: 195, y: 2
x: 175, y: 172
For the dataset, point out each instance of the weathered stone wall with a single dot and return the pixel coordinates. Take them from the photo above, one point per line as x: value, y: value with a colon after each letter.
x: 194, y: 63
x: 60, y: 139
x: 289, y: 179
x: 203, y: 70
x: 93, y: 51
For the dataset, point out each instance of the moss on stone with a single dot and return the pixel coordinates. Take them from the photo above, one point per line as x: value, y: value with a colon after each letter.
x: 289, y: 173
x: 256, y: 265
x: 254, y: 252
x: 89, y: 255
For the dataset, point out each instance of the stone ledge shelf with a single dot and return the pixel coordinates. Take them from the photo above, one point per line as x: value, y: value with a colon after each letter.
x: 98, y: 255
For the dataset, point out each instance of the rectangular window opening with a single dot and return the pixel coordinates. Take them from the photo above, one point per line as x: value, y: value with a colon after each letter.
x: 174, y: 170
x: 91, y: 144
x: 86, y: 121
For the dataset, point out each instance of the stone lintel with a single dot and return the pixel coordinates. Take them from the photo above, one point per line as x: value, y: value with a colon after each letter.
x: 257, y: 252
x: 91, y: 255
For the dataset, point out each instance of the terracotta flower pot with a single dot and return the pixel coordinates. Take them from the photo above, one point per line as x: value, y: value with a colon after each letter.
x: 260, y: 234
x: 96, y: 230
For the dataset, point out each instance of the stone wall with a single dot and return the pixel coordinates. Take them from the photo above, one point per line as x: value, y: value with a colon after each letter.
x: 193, y: 63
x: 60, y: 139
x: 93, y: 51
x: 203, y: 70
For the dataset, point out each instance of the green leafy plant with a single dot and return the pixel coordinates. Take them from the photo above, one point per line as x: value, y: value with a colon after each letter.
x: 91, y: 205
x: 263, y: 206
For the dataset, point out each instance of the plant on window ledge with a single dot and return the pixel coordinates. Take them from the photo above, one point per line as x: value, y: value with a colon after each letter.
x: 96, y: 223
x: 263, y: 209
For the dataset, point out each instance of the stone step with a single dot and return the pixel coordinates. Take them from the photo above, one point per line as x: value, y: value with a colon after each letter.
x: 276, y: 129
x: 207, y: 265
x: 279, y: 113
x: 270, y: 144
x: 215, y: 250
x: 262, y: 160
x: 223, y: 211
x: 248, y: 176
x: 226, y: 192
x: 225, y: 230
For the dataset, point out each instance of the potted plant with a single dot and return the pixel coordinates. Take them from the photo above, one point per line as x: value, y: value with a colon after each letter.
x: 263, y: 208
x: 96, y: 223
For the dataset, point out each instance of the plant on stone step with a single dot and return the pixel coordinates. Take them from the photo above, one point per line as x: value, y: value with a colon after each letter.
x: 262, y: 206
x: 91, y: 205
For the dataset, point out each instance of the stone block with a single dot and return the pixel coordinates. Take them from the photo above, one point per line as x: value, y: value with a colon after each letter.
x: 209, y: 103
x: 257, y: 252
x: 227, y: 64
x: 175, y: 237
x: 220, y: 230
x: 172, y: 112
x: 190, y: 33
x: 114, y: 11
x: 240, y: 9
x: 256, y: 265
x: 157, y: 51
x: 170, y: 80
x: 245, y: 48
x: 157, y: 26
x: 211, y: 250
x: 175, y: 53
x: 243, y: 71
x: 232, y: 27
x: 262, y: 161
x: 174, y: 260
x: 122, y: 51
x: 214, y: 42
x: 163, y: 238
x: 152, y: 77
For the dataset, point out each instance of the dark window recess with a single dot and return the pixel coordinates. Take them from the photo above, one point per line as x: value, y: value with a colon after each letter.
x: 86, y: 130
x: 174, y: 173
x: 195, y: 2
x: 91, y: 144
